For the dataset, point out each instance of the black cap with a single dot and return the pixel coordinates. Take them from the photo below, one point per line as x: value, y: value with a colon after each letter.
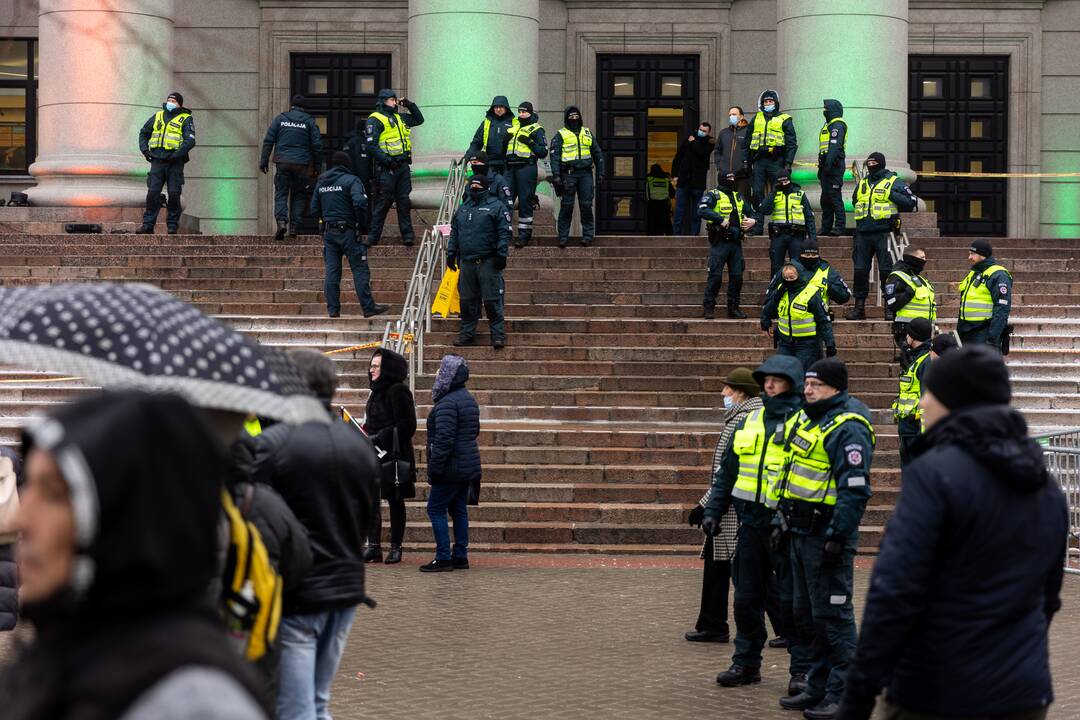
x: 526, y: 105
x: 343, y: 159
x: 783, y: 174
x: 480, y: 156
x: 480, y: 179
x: 920, y: 329
x: 981, y: 247
x: 177, y: 97
x: 810, y: 245
x: 831, y: 371
x: 298, y: 100
x: 943, y: 343
x: 973, y: 375
x: 878, y: 158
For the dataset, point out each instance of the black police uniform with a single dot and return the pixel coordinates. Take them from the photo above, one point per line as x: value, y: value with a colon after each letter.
x: 831, y: 172
x: 478, y: 245
x: 787, y: 238
x: 575, y: 178
x: 992, y: 331
x: 898, y: 294
x: 521, y: 173
x: 725, y: 248
x: 871, y: 236
x: 295, y: 140
x: 166, y: 169
x: 340, y: 202
x: 393, y: 179
x: 496, y: 136
x: 807, y: 349
x: 356, y: 147
x: 766, y: 163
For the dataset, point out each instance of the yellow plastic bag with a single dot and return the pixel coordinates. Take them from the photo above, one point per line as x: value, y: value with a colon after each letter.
x: 447, y: 300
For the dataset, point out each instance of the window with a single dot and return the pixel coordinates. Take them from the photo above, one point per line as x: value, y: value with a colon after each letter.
x: 624, y: 126
x: 623, y: 86
x: 18, y: 105
x: 931, y: 88
x: 622, y: 207
x: 928, y: 205
x: 975, y: 166
x: 318, y: 84
x: 320, y: 122
x: 976, y: 129
x: 624, y: 166
x: 671, y: 86
x: 975, y: 209
x: 365, y: 84
x: 929, y: 165
x: 929, y: 128
x: 980, y: 87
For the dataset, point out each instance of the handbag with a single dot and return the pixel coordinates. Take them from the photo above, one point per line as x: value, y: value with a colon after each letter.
x: 397, y: 476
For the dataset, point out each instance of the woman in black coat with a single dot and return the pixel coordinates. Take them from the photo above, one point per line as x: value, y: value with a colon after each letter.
x: 390, y: 407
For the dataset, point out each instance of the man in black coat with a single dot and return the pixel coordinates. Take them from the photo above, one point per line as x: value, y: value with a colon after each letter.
x: 165, y: 140
x: 690, y: 169
x: 969, y: 574
x: 294, y: 139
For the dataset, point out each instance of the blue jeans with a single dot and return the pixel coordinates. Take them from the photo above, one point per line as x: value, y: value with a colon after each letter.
x: 335, y: 244
x: 450, y: 497
x: 687, y: 221
x: 311, y: 647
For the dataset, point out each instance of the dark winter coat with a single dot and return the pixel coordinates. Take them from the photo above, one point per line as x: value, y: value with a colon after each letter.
x: 770, y: 311
x: 730, y: 153
x: 837, y: 289
x: 294, y: 139
x: 968, y: 576
x: 691, y: 164
x: 497, y: 133
x: 187, y: 130
x: 339, y: 197
x: 832, y: 162
x: 327, y: 474
x: 453, y: 425
x: 390, y: 405
x: 374, y: 127
x: 9, y: 576
x: 897, y: 292
x: 596, y: 159
x: 361, y: 163
x: 479, y: 229
x: 787, y: 152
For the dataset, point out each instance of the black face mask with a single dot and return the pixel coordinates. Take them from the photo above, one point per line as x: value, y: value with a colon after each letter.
x: 479, y: 169
x: 872, y: 169
x: 915, y: 263
x: 574, y: 123
x: 809, y: 261
x: 791, y: 285
x: 477, y: 192
x: 726, y: 182
x: 785, y: 188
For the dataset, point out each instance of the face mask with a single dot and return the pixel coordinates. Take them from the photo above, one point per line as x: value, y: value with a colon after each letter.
x: 769, y: 107
x: 790, y: 285
x: 477, y: 192
x: 726, y: 182
x: 171, y: 106
x: 733, y: 120
x: 917, y: 264
x: 701, y: 133
x: 808, y: 261
x: 479, y: 169
x: 729, y: 402
x: 871, y: 167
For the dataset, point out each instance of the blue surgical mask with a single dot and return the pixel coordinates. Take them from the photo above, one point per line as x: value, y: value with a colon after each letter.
x: 769, y: 107
x: 171, y: 106
x: 701, y: 133
x: 729, y: 402
x: 733, y: 120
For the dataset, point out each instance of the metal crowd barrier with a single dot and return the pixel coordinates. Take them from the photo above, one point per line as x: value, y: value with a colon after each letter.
x: 1062, y: 452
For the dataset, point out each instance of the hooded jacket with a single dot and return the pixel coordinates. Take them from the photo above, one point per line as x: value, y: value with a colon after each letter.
x: 900, y: 194
x: 453, y: 425
x: 497, y: 133
x: 375, y: 127
x: 968, y: 576
x: 134, y: 623
x: 576, y: 166
x: 294, y: 139
x: 691, y: 164
x: 791, y: 142
x: 832, y: 162
x: 777, y: 411
x: 390, y: 405
x: 770, y: 310
x: 339, y: 197
x: 187, y: 130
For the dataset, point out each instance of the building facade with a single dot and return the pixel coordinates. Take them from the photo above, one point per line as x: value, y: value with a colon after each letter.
x: 980, y: 86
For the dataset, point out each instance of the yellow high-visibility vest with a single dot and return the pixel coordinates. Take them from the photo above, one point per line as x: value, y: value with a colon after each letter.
x: 769, y: 133
x: 825, y: 134
x: 517, y: 148
x: 394, y: 138
x: 976, y: 302
x: 793, y: 317
x: 875, y: 200
x: 576, y: 146
x: 168, y: 135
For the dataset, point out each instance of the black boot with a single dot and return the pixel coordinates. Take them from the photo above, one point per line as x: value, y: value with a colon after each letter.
x: 824, y: 710
x: 373, y: 554
x: 394, y: 556
x: 733, y: 311
x: 708, y: 314
x: 438, y: 566
x: 282, y: 227
x: 145, y: 230
x: 737, y: 675
x: 797, y: 684
x: 802, y: 701
x: 858, y: 312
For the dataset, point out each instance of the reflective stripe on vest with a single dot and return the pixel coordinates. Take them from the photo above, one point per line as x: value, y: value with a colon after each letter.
x: 788, y: 209
x: 761, y: 458
x: 658, y: 187
x: 723, y: 207
x: 820, y: 280
x: 394, y: 138
x: 769, y: 133
x: 874, y: 201
x: 823, y: 137
x: 516, y: 148
x: 576, y: 146
x: 487, y: 131
x: 976, y: 303
x: 253, y: 426
x: 809, y: 475
x: 920, y: 306
x: 793, y: 317
x: 906, y: 404
x: 168, y: 135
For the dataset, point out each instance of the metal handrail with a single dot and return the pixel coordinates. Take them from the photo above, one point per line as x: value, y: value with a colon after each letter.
x: 1062, y: 452
x: 405, y: 335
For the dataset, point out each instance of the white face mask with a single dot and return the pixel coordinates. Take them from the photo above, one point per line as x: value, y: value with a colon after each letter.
x: 769, y: 107
x: 733, y: 119
x: 729, y: 402
x: 171, y: 106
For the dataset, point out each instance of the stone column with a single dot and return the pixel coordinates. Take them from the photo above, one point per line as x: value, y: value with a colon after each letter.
x: 856, y: 53
x: 461, y: 54
x: 105, y: 68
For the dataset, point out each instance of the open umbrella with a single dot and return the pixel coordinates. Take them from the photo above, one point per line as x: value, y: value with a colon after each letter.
x: 139, y: 336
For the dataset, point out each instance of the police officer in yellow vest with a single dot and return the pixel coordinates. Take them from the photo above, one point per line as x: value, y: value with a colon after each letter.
x: 791, y: 221
x: 575, y: 154
x: 491, y: 135
x: 525, y: 144
x: 832, y: 143
x: 802, y: 323
x: 165, y: 141
x: 908, y: 295
x: 722, y: 208
x: 878, y: 199
x: 771, y: 148
x: 658, y: 194
x: 746, y: 479
x: 388, y: 142
x: 906, y: 410
x: 823, y: 493
x: 985, y: 298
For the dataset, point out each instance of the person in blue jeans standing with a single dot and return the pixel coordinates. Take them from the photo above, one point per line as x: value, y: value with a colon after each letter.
x: 453, y: 463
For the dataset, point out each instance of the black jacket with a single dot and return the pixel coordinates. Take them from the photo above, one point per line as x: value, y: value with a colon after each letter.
x: 968, y: 577
x: 9, y: 576
x: 769, y: 203
x: 771, y: 308
x: 897, y: 292
x: 361, y: 162
x: 390, y: 405
x: 691, y: 164
x: 327, y: 475
x: 705, y: 211
x: 374, y: 127
x: 453, y: 425
x: 294, y: 138
x: 339, y: 197
x: 1000, y: 286
x: 785, y: 153
x: 900, y: 195
x: 832, y: 162
x: 479, y: 229
x: 596, y: 158
x: 730, y: 153
x: 497, y: 133
x: 187, y: 130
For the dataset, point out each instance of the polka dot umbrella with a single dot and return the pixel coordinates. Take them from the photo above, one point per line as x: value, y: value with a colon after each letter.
x: 139, y: 336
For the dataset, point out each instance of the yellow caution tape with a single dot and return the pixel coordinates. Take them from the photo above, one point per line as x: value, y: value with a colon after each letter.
x: 367, y: 346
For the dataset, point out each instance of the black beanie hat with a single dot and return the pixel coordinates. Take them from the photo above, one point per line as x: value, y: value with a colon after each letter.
x: 343, y: 159
x: 943, y: 343
x: 973, y: 375
x: 783, y: 174
x: 481, y: 179
x: 810, y: 246
x: 831, y: 371
x: 298, y: 100
x: 526, y: 105
x: 981, y: 247
x: 480, y: 156
x: 920, y: 329
x: 177, y: 97
x: 878, y: 158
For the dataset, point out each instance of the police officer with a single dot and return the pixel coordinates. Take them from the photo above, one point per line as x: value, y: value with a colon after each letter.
x: 905, y: 408
x: 802, y: 323
x: 879, y: 199
x: 479, y: 241
x: 575, y: 153
x: 389, y: 144
x: 340, y: 203
x: 829, y: 281
x: 823, y: 492
x: 525, y: 145
x: 908, y: 295
x: 658, y: 194
x: 832, y: 141
x: 165, y: 141
x: 791, y: 221
x: 296, y: 142
x: 985, y: 298
x: 492, y: 134
x: 497, y: 186
x: 722, y: 208
x: 356, y: 147
x: 771, y: 148
x: 746, y: 479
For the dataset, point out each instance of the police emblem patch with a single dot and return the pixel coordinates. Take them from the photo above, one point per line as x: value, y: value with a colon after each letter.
x: 1003, y: 289
x: 854, y: 458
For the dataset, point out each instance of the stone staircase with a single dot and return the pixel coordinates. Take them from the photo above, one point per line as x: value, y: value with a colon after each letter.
x: 599, y: 417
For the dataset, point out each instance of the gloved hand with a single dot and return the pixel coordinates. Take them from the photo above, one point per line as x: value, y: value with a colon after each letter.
x: 149, y: 157
x: 777, y: 539
x: 831, y: 553
x: 264, y: 168
x: 696, y: 516
x: 500, y: 262
x: 451, y: 261
x: 557, y: 185
x: 710, y: 525
x: 830, y: 351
